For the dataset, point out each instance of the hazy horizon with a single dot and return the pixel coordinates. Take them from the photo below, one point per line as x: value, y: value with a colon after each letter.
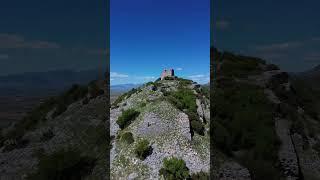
x: 34, y: 37
x: 270, y: 31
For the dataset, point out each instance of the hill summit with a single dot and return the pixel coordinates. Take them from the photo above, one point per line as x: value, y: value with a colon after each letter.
x: 159, y: 125
x: 263, y: 119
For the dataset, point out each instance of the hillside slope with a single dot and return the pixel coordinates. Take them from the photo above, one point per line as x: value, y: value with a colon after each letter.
x: 172, y: 117
x: 263, y: 120
x: 64, y: 137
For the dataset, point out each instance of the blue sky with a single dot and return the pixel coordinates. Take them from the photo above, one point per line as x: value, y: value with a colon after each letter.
x: 286, y: 33
x: 147, y: 36
x: 39, y: 35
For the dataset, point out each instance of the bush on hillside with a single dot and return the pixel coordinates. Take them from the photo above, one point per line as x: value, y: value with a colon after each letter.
x: 149, y: 83
x: 127, y: 117
x: 174, y: 168
x: 184, y: 99
x: 127, y: 137
x: 143, y: 149
x: 63, y: 164
x: 198, y: 127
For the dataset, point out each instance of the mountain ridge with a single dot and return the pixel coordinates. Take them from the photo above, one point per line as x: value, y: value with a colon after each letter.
x: 173, y: 128
x: 263, y: 120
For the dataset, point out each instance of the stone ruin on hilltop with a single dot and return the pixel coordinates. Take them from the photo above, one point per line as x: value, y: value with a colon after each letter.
x: 167, y: 73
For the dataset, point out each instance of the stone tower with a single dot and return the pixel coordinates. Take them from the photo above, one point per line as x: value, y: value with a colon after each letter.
x: 167, y: 73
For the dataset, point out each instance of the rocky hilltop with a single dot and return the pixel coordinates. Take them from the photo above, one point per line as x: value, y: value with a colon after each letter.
x: 157, y: 126
x: 62, y: 138
x: 264, y: 120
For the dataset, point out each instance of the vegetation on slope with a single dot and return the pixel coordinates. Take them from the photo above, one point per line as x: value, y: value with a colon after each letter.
x: 143, y: 149
x: 60, y: 103
x: 63, y: 164
x: 185, y: 100
x: 127, y: 117
x: 239, y: 66
x: 243, y: 120
x: 174, y: 168
x: 127, y: 137
x: 125, y: 96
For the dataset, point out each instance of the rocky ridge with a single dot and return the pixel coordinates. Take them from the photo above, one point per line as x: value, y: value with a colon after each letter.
x: 165, y: 126
x: 28, y: 151
x: 296, y: 152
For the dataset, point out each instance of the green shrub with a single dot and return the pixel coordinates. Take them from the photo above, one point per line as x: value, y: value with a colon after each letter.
x: 127, y: 117
x: 149, y: 83
x: 184, y: 99
x: 198, y: 127
x: 193, y: 116
x: 63, y: 164
x: 127, y: 137
x: 200, y: 176
x: 174, y: 168
x: 205, y: 90
x: 143, y: 149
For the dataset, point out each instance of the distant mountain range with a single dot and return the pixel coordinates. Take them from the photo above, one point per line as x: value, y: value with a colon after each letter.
x: 33, y: 83
x: 123, y: 87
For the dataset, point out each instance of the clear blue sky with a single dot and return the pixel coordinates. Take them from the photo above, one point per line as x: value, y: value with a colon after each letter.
x: 284, y: 32
x: 37, y: 35
x: 147, y: 36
